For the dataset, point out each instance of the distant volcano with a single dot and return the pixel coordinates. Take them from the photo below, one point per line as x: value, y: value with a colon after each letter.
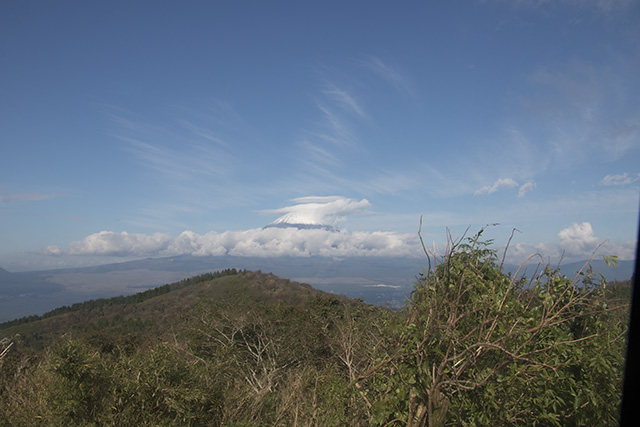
x: 316, y: 212
x: 301, y: 221
x: 301, y: 226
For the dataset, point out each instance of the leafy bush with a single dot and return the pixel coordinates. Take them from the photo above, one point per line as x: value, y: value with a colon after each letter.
x: 474, y: 346
x: 483, y: 347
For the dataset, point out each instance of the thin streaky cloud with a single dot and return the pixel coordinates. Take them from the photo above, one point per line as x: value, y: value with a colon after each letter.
x: 576, y: 106
x: 184, y: 146
x: 333, y: 138
x: 155, y: 157
x: 384, y: 181
x: 604, y: 6
x: 183, y: 161
x: 122, y: 119
x: 388, y: 73
x: 318, y: 154
x: 344, y: 99
x: 623, y: 135
x: 28, y: 197
x: 45, y: 215
x: 339, y: 131
x: 597, y: 203
x: 203, y: 132
x: 162, y: 216
x: 218, y: 115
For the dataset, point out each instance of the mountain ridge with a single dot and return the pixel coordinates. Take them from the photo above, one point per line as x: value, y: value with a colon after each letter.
x: 36, y: 292
x: 162, y: 308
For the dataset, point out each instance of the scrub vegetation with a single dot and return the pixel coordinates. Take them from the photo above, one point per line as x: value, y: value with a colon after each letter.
x: 473, y: 346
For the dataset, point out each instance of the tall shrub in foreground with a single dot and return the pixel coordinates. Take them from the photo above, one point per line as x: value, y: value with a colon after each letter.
x: 483, y: 347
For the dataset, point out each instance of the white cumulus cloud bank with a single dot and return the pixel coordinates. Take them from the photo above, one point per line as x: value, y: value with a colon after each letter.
x: 288, y: 239
x: 53, y: 250
x: 120, y: 244
x: 265, y: 242
x: 578, y: 238
x: 576, y: 243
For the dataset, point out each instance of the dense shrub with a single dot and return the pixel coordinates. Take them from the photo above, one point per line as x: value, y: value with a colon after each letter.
x: 473, y: 346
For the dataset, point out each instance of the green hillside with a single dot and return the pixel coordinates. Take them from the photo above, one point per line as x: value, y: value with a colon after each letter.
x: 245, y: 348
x: 205, y: 351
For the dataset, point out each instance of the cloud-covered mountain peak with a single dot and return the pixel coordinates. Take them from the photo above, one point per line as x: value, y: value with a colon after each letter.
x: 301, y: 226
x: 316, y: 212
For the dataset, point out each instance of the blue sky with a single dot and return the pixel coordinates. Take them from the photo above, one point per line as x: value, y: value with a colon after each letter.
x: 148, y: 128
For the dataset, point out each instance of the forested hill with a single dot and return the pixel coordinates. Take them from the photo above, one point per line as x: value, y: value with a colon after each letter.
x: 159, y: 310
x: 473, y: 346
x: 89, y: 311
x: 196, y: 352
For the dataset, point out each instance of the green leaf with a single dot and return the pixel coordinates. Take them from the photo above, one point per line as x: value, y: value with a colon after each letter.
x: 611, y: 260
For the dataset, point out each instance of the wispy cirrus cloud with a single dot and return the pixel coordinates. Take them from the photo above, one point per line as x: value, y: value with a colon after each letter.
x: 390, y: 74
x: 343, y: 98
x: 180, y: 150
x: 203, y: 132
x: 566, y: 116
x: 187, y: 161
x: 623, y: 135
x: 184, y: 144
x: 620, y: 179
x: 319, y: 154
x: 201, y: 158
x: 605, y: 6
x: 329, y: 142
x: 34, y: 196
x: 389, y: 181
x: 336, y: 128
x: 576, y: 108
x: 331, y: 150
